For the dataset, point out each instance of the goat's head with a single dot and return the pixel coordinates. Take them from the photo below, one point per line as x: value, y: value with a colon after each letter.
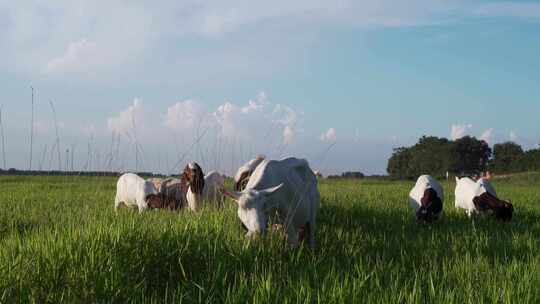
x: 155, y: 201
x: 241, y: 183
x: 503, y: 210
x: 193, y: 176
x: 431, y: 207
x: 252, y: 208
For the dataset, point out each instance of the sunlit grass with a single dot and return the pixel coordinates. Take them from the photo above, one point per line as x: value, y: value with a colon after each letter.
x: 60, y: 241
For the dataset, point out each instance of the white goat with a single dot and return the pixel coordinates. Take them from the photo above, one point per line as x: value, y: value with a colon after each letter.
x: 287, y: 188
x: 134, y: 191
x: 426, y: 199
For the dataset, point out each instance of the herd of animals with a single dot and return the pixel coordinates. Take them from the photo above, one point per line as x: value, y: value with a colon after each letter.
x: 286, y: 192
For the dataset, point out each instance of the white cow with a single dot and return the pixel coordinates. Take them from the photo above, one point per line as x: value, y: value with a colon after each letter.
x: 286, y: 188
x: 134, y: 191
x: 426, y: 199
x: 243, y: 174
x: 480, y: 196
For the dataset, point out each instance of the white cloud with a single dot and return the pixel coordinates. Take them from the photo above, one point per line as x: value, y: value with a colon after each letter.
x: 78, y: 56
x: 257, y: 120
x: 329, y: 135
x: 65, y: 36
x: 128, y: 120
x: 459, y: 130
x: 513, y: 137
x: 184, y: 116
x: 487, y: 136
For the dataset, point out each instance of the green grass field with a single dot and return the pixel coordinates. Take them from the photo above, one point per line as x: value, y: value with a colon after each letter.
x: 60, y: 241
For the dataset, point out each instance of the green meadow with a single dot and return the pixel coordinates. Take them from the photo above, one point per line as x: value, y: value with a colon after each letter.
x: 61, y: 241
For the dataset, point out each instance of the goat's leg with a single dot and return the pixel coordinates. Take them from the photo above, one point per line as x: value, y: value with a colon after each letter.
x: 117, y: 204
x: 292, y: 235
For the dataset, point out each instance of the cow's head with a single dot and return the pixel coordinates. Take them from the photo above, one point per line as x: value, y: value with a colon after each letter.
x: 503, y: 210
x: 252, y: 208
x: 431, y: 206
x: 193, y: 176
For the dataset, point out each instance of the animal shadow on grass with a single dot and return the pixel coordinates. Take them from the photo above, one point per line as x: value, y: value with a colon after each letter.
x: 383, y: 232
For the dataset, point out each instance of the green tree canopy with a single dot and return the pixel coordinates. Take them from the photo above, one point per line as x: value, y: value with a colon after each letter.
x: 435, y: 156
x: 506, y: 158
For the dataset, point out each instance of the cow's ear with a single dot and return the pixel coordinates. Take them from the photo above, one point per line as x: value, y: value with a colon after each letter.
x: 270, y: 191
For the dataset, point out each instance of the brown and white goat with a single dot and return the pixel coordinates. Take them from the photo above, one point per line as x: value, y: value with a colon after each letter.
x: 243, y: 174
x: 480, y: 197
x: 202, y: 188
x: 426, y: 199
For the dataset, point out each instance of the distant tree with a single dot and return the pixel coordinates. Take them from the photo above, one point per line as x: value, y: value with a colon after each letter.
x: 353, y: 175
x: 435, y: 156
x: 470, y: 155
x: 430, y: 155
x: 506, y: 158
x: 530, y: 160
x: 398, y: 164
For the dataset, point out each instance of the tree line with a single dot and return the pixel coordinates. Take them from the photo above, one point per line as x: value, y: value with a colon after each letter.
x: 465, y: 156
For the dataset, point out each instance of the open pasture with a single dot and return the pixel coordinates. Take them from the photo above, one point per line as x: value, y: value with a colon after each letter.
x: 60, y: 241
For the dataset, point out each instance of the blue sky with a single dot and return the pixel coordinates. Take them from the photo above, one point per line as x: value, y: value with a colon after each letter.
x: 340, y: 83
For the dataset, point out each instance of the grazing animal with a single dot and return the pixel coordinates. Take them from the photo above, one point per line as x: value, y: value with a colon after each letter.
x: 244, y: 173
x: 286, y: 188
x: 202, y: 188
x: 134, y: 191
x: 480, y: 197
x: 193, y: 176
x: 157, y: 182
x: 172, y: 191
x: 426, y: 199
x: 213, y: 185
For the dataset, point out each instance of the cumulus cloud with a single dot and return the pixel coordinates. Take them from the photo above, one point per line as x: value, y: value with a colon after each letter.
x: 256, y: 120
x: 78, y: 56
x: 487, y: 136
x: 459, y: 130
x: 184, y: 116
x: 49, y: 34
x: 513, y: 137
x: 127, y: 120
x: 329, y: 135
